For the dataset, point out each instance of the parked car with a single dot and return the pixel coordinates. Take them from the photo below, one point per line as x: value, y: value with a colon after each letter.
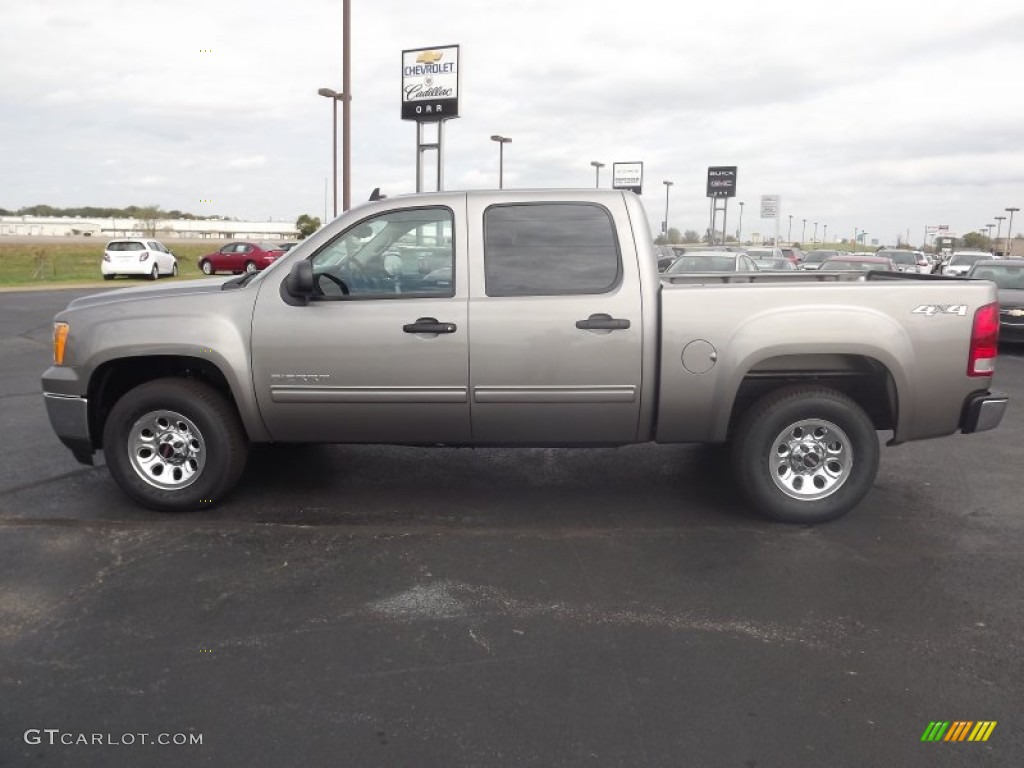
x: 960, y: 263
x: 1008, y: 275
x: 777, y: 264
x: 243, y: 256
x: 813, y: 259
x: 861, y: 261
x: 764, y: 252
x: 665, y: 255
x: 906, y: 260
x: 142, y: 256
x: 712, y: 261
x: 795, y: 255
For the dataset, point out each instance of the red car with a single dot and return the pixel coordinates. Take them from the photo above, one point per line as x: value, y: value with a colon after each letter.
x: 247, y: 256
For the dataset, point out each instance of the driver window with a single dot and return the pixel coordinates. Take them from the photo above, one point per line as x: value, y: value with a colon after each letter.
x: 399, y: 254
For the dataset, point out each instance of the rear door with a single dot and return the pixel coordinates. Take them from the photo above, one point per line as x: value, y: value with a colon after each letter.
x: 555, y: 311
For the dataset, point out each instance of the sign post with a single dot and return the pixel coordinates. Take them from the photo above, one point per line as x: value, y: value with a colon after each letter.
x: 721, y: 185
x: 770, y: 205
x: 430, y: 94
x: 628, y: 176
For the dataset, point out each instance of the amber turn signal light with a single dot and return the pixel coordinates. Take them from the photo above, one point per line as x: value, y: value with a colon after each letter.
x: 60, y: 339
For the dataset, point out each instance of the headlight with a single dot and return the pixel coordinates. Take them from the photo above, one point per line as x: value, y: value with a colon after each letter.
x: 60, y: 339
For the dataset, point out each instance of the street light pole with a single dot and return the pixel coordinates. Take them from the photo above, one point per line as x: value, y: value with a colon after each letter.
x: 335, y: 97
x: 803, y: 234
x: 999, y: 227
x: 814, y: 242
x: 667, y: 184
x: 597, y: 173
x: 824, y: 235
x: 789, y: 232
x: 1007, y: 254
x: 346, y: 116
x: 502, y: 141
x: 739, y: 229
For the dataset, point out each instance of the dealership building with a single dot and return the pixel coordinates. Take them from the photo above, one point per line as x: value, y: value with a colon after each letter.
x: 167, y: 229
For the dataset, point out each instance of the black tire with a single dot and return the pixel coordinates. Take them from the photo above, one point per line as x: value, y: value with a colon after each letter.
x: 155, y: 274
x: 174, y: 269
x: 250, y: 266
x: 211, y: 425
x: 206, y: 267
x: 109, y: 277
x: 805, y: 454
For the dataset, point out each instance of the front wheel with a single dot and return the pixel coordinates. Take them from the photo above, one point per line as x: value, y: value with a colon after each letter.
x: 207, y: 268
x: 174, y: 445
x: 805, y: 454
x: 155, y: 274
x: 250, y: 266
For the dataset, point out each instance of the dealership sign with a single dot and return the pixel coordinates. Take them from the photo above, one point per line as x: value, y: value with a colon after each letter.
x: 628, y: 176
x: 769, y: 206
x: 722, y: 181
x: 430, y: 84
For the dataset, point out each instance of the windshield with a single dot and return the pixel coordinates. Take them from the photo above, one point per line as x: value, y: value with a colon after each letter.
x: 967, y: 258
x: 852, y: 264
x: 1004, y: 276
x: 900, y: 257
x: 127, y: 245
x: 709, y: 262
x: 815, y: 256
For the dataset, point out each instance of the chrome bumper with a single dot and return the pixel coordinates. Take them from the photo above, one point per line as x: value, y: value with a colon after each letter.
x: 983, y: 411
x: 69, y: 417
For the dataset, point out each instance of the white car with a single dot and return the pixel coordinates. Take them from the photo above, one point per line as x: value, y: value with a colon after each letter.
x: 960, y: 262
x: 906, y: 260
x: 137, y: 256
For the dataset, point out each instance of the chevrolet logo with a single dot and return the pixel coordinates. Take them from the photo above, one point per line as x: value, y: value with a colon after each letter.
x: 429, y: 57
x: 1014, y: 312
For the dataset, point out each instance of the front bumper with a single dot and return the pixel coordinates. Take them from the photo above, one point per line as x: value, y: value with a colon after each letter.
x: 69, y: 417
x: 983, y: 411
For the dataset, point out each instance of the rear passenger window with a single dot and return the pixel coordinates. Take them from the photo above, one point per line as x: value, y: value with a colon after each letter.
x: 549, y: 248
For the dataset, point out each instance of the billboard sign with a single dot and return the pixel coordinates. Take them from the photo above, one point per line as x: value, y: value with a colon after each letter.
x: 769, y: 206
x: 722, y: 181
x: 430, y: 84
x: 628, y: 176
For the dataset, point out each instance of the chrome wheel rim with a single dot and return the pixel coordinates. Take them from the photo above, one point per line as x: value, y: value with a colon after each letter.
x: 207, y: 268
x: 166, y: 450
x: 811, y: 459
x: 250, y: 267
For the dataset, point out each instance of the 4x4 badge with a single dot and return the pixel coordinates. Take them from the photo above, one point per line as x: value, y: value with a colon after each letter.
x: 940, y: 309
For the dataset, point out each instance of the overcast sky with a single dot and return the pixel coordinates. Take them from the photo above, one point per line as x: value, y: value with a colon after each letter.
x: 886, y: 116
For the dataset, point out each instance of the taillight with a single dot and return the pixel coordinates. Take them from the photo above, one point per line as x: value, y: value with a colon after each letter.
x: 981, y: 360
x: 144, y: 255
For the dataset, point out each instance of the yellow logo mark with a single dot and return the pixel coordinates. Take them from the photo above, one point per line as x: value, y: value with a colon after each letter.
x: 429, y: 57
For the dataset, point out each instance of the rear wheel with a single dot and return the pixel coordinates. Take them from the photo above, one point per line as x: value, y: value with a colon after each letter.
x: 805, y: 454
x: 174, y: 445
x: 207, y: 268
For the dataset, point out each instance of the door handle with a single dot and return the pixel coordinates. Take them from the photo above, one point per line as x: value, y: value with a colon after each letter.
x: 602, y: 322
x: 429, y: 325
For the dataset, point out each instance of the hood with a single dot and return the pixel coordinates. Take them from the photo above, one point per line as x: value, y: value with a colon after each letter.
x: 145, y: 293
x: 1011, y: 297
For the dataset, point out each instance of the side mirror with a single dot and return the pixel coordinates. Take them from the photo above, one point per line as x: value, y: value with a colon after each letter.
x: 299, y: 283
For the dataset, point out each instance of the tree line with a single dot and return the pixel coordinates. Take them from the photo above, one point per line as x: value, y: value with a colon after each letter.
x: 89, y: 211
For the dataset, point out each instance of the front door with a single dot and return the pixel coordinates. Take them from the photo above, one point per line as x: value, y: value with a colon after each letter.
x: 380, y: 355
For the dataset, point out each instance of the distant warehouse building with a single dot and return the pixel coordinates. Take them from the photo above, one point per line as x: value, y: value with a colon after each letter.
x: 169, y: 229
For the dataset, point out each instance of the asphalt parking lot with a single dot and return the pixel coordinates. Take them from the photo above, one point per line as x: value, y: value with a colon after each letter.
x: 450, y: 607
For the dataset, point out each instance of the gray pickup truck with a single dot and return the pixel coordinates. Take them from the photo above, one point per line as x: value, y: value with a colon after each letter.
x: 520, y: 318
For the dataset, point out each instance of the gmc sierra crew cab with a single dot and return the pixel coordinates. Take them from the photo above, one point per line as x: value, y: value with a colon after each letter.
x: 520, y: 318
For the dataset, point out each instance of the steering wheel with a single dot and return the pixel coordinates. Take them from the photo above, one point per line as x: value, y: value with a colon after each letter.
x: 337, y: 281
